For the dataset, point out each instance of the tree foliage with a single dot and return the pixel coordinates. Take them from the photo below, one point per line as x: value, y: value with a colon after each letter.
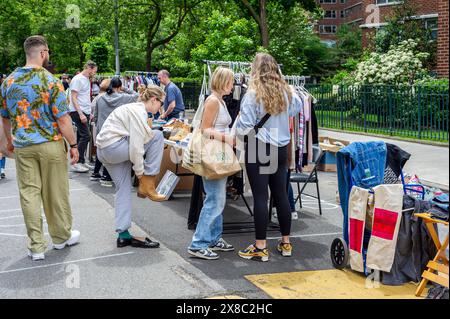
x: 172, y: 34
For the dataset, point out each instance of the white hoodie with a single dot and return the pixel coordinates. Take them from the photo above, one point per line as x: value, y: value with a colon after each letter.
x: 129, y: 120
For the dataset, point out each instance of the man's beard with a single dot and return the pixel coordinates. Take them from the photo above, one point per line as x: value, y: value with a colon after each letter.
x: 46, y: 63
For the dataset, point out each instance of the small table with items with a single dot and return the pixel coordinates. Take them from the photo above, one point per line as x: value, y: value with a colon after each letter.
x: 176, y: 138
x: 438, y: 267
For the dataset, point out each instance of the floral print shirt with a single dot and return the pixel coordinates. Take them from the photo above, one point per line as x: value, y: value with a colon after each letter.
x: 33, y: 100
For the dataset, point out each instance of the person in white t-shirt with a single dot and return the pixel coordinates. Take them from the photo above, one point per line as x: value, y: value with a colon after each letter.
x: 80, y: 110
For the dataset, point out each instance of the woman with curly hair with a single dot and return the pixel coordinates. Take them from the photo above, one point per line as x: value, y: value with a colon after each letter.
x: 271, y: 99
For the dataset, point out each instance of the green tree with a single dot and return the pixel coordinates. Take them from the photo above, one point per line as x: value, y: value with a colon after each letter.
x: 349, y: 43
x: 258, y: 10
x: 99, y: 50
x: 15, y: 27
x: 401, y: 26
x: 159, y: 20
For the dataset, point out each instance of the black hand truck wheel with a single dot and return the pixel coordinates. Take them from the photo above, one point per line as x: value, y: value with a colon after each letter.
x: 339, y: 253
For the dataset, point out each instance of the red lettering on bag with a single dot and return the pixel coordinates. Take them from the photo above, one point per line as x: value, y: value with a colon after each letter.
x: 384, y: 223
x: 356, y: 234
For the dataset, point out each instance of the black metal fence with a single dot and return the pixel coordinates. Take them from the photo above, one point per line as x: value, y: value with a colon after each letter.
x: 191, y: 93
x: 417, y: 112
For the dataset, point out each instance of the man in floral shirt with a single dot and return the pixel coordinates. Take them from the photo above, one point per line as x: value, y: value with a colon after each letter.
x: 35, y: 115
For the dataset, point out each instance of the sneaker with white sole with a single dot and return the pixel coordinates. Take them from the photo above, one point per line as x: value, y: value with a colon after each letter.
x: 95, y: 177
x: 285, y: 249
x: 36, y: 256
x: 89, y: 166
x: 73, y: 240
x: 254, y: 253
x: 106, y: 183
x: 222, y: 245
x: 207, y: 254
x: 79, y: 168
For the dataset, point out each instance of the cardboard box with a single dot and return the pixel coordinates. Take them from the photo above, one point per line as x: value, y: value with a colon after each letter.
x: 330, y: 146
x: 169, y: 164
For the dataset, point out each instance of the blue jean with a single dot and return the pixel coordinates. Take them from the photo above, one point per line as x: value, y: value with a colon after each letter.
x: 359, y: 164
x: 210, y: 223
x: 2, y: 162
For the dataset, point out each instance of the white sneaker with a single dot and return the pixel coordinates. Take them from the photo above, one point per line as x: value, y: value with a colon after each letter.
x: 73, y: 240
x: 89, y: 166
x: 107, y: 183
x: 79, y: 168
x: 36, y: 256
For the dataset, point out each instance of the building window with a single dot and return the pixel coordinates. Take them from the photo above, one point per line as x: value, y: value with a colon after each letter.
x: 432, y: 25
x: 327, y: 29
x: 330, y: 14
x: 342, y: 14
x: 388, y: 1
x: 352, y: 9
x: 328, y: 1
x: 343, y: 1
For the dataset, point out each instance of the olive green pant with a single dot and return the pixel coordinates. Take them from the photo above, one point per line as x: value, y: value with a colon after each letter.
x: 42, y: 176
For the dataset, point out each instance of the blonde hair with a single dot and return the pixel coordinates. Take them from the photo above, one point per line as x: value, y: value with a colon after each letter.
x: 269, y: 85
x: 105, y: 85
x: 221, y: 78
x: 146, y: 93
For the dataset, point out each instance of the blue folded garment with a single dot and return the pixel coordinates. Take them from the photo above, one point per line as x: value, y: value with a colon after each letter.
x: 443, y: 199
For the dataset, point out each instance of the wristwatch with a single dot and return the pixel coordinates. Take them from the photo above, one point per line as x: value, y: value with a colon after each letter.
x: 74, y: 146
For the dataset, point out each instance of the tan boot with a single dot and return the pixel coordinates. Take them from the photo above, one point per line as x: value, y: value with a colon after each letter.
x: 147, y: 189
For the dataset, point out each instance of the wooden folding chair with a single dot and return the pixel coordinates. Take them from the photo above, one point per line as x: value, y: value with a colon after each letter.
x: 438, y: 267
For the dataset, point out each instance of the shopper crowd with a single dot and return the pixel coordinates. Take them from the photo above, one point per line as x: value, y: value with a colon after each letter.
x: 44, y: 119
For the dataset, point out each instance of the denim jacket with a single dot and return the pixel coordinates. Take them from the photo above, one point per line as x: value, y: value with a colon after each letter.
x: 359, y: 164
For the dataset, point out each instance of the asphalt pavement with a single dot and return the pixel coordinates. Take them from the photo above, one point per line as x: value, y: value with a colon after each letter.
x: 96, y: 268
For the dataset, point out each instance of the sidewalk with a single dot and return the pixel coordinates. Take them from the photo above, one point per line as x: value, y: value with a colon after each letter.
x: 430, y: 163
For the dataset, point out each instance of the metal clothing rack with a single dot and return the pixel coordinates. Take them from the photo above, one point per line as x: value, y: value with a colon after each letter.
x: 231, y: 64
x: 296, y: 79
x: 140, y: 73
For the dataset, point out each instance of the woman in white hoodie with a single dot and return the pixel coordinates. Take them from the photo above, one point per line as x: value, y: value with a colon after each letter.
x: 123, y: 141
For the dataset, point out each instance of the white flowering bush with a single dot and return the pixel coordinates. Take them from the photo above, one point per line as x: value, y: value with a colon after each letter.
x: 400, y: 65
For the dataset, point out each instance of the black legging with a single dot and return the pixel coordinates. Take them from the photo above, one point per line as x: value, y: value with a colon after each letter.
x: 260, y: 181
x: 83, y: 135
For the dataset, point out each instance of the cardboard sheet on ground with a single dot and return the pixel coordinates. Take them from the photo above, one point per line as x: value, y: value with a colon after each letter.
x: 328, y: 284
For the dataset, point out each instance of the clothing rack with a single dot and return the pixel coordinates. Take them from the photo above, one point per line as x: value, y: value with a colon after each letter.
x: 227, y: 63
x: 296, y: 79
x: 104, y: 76
x: 230, y: 64
x: 140, y: 73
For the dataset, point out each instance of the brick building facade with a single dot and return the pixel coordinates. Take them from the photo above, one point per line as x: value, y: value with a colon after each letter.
x: 371, y: 15
x: 442, y: 59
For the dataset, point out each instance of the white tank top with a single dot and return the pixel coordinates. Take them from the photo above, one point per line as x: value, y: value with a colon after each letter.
x: 224, y: 119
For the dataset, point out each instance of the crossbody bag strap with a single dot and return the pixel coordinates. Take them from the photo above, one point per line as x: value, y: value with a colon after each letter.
x: 262, y: 122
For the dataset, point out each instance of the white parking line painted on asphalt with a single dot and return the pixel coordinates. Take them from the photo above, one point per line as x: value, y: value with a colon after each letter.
x: 310, y: 235
x: 6, y: 226
x: 10, y: 210
x: 71, y: 191
x: 11, y: 217
x: 65, y: 263
x: 13, y: 235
